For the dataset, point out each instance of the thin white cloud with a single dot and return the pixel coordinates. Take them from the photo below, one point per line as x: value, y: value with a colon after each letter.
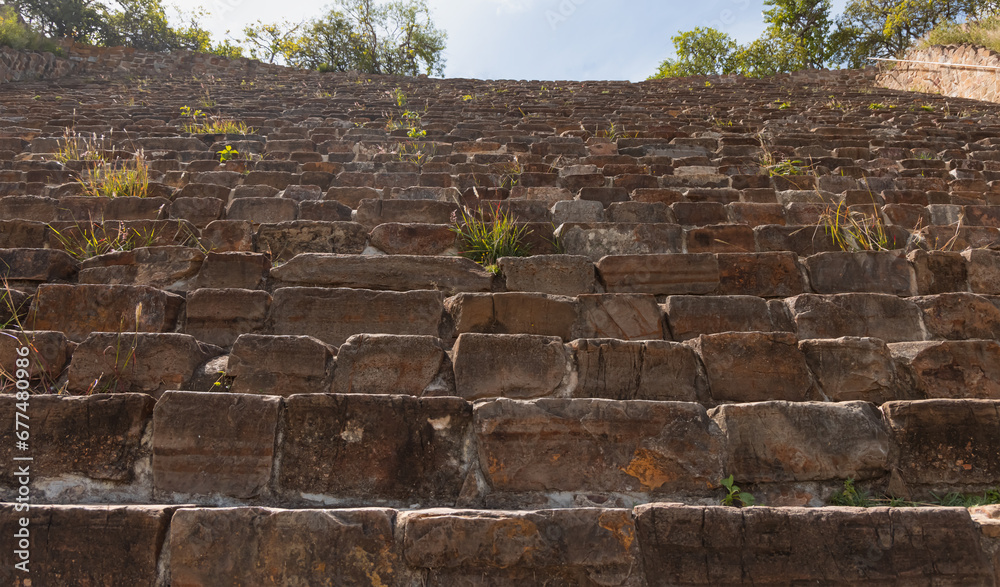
x: 513, y: 6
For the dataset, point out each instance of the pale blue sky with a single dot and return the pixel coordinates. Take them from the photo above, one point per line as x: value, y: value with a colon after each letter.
x: 537, y: 39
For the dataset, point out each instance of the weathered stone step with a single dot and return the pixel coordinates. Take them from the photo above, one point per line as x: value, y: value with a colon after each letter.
x: 652, y: 545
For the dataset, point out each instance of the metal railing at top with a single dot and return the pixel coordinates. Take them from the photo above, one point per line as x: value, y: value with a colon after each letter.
x: 959, y: 65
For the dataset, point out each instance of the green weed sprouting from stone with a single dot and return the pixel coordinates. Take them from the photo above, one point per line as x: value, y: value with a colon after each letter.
x: 201, y: 123
x: 228, y: 153
x: 84, y: 242
x: 734, y: 497
x: 851, y: 496
x: 118, y: 179
x: 487, y: 240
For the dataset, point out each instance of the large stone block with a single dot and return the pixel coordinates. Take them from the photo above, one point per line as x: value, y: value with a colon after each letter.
x: 887, y: 317
x: 983, y: 266
x: 755, y: 366
x: 953, y: 369
x: 390, y: 272
x: 37, y: 265
x: 622, y: 316
x: 218, y: 445
x: 413, y: 239
x: 168, y: 268
x: 374, y: 449
x: 284, y: 240
x: 959, y: 316
x: 587, y: 547
x: 638, y: 370
x: 600, y: 240
x: 561, y: 275
x: 693, y: 546
x: 48, y: 353
x: 115, y: 362
x: 280, y: 365
x: 513, y: 313
x: 394, y: 364
x: 767, y: 275
x: 113, y: 546
x: 334, y: 315
x: 220, y: 316
x: 781, y: 442
x: 78, y: 310
x: 229, y: 547
x: 947, y: 444
x: 510, y: 365
x: 939, y: 271
x: 371, y: 213
x: 886, y: 272
x: 691, y: 316
x: 237, y: 270
x: 851, y: 368
x: 649, y: 448
x: 660, y: 274
x: 97, y: 438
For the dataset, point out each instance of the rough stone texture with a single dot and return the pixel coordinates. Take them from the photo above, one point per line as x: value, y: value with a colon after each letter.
x: 38, y: 265
x: 334, y: 315
x: 638, y: 370
x: 959, y: 316
x: 778, y: 442
x: 213, y: 444
x: 167, y: 268
x: 701, y: 546
x: 517, y: 366
x: 954, y: 369
x: 284, y: 240
x: 78, y: 310
x: 220, y: 316
x: 14, y: 306
x: 413, y: 239
x: 561, y: 275
x: 236, y: 270
x: 887, y: 317
x: 691, y: 316
x: 97, y: 437
x: 390, y: 364
x: 660, y: 274
x: 768, y: 275
x: 48, y: 353
x: 371, y: 213
x: 654, y: 448
x: 392, y: 272
x: 280, y: 365
x: 374, y: 449
x: 622, y: 316
x: 755, y: 366
x: 947, y: 443
x: 513, y: 313
x: 110, y: 362
x: 851, y: 368
x: 231, y: 547
x: 873, y: 272
x: 984, y: 270
x: 939, y: 271
x: 587, y: 547
x: 113, y: 546
x: 600, y: 240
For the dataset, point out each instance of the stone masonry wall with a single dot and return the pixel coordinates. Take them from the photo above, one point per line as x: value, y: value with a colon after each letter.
x: 958, y: 82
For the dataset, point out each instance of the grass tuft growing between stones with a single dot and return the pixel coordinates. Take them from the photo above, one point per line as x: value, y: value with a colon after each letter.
x: 486, y: 240
x: 91, y: 240
x: 852, y: 496
x: 118, y: 179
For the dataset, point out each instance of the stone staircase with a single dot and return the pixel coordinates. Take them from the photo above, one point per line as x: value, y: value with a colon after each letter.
x: 282, y: 373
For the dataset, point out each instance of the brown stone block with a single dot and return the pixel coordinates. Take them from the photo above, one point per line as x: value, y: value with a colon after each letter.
x: 953, y: 369
x: 513, y: 313
x: 271, y: 210
x: 622, y: 316
x: 853, y: 369
x: 691, y: 316
x: 233, y: 270
x: 287, y: 239
x: 224, y: 236
x: 801, y: 240
x: 214, y: 444
x: 895, y: 547
x: 280, y: 365
x: 49, y: 352
x: 371, y: 213
x: 391, y: 364
x: 98, y: 437
x: 656, y: 448
x: 231, y: 547
x: 78, y: 310
x: 562, y: 275
x: 947, y: 444
x: 768, y: 275
x: 960, y: 316
x: 334, y: 315
x: 413, y: 239
x: 168, y: 268
x: 388, y: 272
x: 887, y: 317
x: 721, y: 238
x: 113, y: 546
x: 755, y: 366
x: 984, y: 270
x: 660, y: 274
x: 370, y: 449
x: 886, y: 272
x: 602, y: 239
x: 638, y: 370
x: 939, y: 272
x: 37, y: 265
x: 587, y: 547
x: 219, y: 316
x: 781, y: 442
x: 510, y: 365
x: 198, y: 211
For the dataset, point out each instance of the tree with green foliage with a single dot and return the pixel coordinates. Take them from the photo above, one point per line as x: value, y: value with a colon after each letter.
x: 82, y: 20
x: 804, y: 26
x: 703, y: 51
x: 393, y: 38
x: 270, y: 41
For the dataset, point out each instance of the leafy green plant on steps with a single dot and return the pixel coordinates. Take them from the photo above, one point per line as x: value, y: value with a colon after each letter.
x: 486, y: 239
x: 734, y: 497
